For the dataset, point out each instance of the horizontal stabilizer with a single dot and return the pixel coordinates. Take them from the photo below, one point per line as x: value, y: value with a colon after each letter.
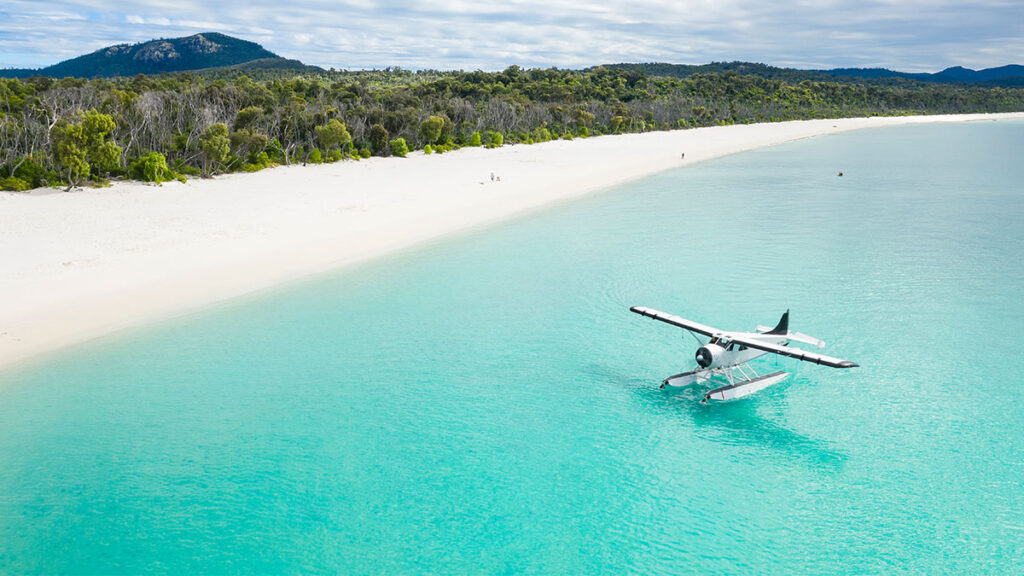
x: 799, y: 337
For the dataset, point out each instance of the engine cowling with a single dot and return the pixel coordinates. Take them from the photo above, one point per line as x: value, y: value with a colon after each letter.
x: 709, y: 356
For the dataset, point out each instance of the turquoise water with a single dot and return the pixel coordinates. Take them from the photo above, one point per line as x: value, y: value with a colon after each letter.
x: 487, y: 404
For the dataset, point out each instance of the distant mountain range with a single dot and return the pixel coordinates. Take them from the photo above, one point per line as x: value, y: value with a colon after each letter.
x: 1008, y: 76
x: 197, y: 52
x: 1012, y: 75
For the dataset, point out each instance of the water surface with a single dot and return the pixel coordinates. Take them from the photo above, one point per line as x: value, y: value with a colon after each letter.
x: 487, y: 404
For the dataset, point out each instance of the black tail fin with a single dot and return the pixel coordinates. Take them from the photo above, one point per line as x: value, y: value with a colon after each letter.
x: 783, y: 326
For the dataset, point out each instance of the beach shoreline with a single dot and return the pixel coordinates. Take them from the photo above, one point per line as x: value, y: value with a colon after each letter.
x: 90, y: 263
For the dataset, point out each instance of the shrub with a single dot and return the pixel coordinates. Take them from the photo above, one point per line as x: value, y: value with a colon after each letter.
x: 428, y: 150
x: 181, y: 168
x: 474, y: 140
x: 399, y: 147
x: 262, y: 160
x: 257, y: 162
x: 151, y: 168
x: 15, y: 184
x: 35, y: 174
x: 364, y: 152
x: 497, y: 140
x: 315, y: 157
x: 335, y: 155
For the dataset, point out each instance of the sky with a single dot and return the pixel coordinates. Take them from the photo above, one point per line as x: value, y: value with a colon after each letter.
x: 906, y: 35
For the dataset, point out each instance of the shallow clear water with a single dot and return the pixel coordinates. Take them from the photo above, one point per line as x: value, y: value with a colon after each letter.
x: 488, y: 404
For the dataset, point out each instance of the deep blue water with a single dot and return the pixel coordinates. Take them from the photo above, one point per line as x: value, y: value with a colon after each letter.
x: 487, y: 403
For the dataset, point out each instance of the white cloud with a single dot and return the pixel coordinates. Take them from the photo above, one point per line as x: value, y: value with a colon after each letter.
x: 914, y: 35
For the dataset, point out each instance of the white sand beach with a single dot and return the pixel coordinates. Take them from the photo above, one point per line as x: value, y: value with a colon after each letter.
x: 90, y: 262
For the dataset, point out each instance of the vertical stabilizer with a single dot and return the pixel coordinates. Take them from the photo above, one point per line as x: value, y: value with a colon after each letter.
x: 782, y: 327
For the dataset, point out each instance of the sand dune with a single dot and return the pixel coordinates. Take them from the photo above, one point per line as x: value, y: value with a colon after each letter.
x: 88, y: 263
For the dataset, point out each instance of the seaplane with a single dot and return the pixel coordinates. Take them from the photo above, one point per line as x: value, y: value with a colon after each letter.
x: 723, y: 359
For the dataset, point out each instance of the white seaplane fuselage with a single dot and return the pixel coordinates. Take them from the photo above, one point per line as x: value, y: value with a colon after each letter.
x: 722, y: 352
x: 721, y: 356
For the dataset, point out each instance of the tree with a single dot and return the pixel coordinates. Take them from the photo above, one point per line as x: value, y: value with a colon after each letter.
x: 582, y: 118
x: 430, y: 129
x: 77, y: 147
x: 68, y: 141
x: 378, y: 138
x: 215, y: 146
x: 245, y: 143
x: 106, y: 157
x: 333, y: 134
x: 100, y: 153
x: 247, y: 117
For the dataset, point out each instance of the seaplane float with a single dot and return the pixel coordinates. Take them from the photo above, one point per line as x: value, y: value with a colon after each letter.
x: 723, y: 359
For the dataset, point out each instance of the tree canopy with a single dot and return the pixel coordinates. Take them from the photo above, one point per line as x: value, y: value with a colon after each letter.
x: 72, y: 131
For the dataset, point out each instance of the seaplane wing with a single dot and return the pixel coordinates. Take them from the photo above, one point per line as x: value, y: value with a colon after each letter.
x: 757, y: 344
x: 675, y: 320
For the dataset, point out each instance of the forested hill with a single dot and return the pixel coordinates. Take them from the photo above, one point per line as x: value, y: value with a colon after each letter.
x: 790, y: 75
x: 1012, y: 75
x: 197, y: 52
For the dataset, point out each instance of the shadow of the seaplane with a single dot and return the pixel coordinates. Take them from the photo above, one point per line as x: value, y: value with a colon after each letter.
x: 753, y: 421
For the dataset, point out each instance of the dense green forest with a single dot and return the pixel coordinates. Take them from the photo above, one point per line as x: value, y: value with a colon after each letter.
x: 72, y: 132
